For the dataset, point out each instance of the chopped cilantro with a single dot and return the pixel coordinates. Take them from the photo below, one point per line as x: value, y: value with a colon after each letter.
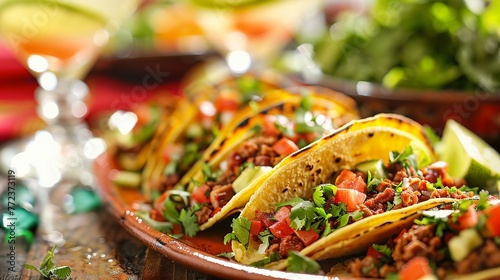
x: 189, y: 221
x: 257, y: 129
x: 265, y: 236
x: 344, y: 219
x: 462, y: 206
x: 176, y: 200
x: 208, y: 173
x: 321, y: 191
x: 302, y: 215
x: 406, y: 158
x: 338, y: 210
x: 441, y: 224
x: 240, y: 233
x: 228, y: 255
x: 466, y: 188
x: 302, y: 264
x: 439, y: 183
x: 292, y: 202
x: 191, y: 155
x: 386, y: 251
x: 397, y: 196
x: 287, y: 130
x: 302, y: 143
x: 318, y: 198
x: 322, y: 213
x: 389, y: 206
x: 372, y: 183
x: 482, y: 203
x: 327, y: 230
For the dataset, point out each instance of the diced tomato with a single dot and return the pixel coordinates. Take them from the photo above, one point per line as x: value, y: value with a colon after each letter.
x: 270, y: 126
x: 345, y: 175
x: 216, y: 210
x: 227, y: 101
x: 265, y: 218
x: 156, y: 215
x: 158, y: 204
x: 283, y: 215
x: 356, y: 184
x: 401, y: 233
x: 285, y: 146
x: 201, y: 194
x: 466, y: 220
x: 281, y: 229
x: 144, y: 113
x: 352, y: 198
x: 255, y: 227
x: 307, y: 236
x: 374, y: 253
x: 415, y: 269
x: 310, y: 136
x: 493, y: 220
x: 172, y: 151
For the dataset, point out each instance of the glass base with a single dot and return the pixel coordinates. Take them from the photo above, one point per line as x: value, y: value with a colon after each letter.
x: 54, y: 155
x: 56, y: 165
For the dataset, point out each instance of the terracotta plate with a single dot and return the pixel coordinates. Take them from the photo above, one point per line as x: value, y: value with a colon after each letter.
x: 199, y: 253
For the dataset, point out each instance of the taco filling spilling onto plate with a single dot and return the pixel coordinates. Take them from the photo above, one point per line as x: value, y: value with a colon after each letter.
x: 444, y: 243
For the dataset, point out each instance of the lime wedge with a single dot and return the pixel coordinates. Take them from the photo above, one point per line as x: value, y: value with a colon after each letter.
x: 470, y: 157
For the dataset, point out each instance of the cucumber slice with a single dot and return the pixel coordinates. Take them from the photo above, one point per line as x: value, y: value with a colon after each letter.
x: 248, y: 175
x: 127, y: 179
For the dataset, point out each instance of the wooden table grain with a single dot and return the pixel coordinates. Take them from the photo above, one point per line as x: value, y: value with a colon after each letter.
x: 96, y: 246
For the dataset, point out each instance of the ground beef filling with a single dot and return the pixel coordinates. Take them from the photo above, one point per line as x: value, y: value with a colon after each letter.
x: 257, y: 151
x: 413, y: 188
x: 422, y: 241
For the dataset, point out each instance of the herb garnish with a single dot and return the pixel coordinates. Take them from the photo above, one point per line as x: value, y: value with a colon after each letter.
x: 406, y: 158
x: 48, y: 269
x: 302, y: 264
x: 241, y: 231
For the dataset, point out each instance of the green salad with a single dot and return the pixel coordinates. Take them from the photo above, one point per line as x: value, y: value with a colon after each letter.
x: 429, y: 44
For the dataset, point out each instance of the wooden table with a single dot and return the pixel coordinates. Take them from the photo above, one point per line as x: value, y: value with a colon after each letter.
x: 96, y: 247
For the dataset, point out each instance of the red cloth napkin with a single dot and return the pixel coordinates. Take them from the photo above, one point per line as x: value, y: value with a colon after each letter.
x: 18, y: 107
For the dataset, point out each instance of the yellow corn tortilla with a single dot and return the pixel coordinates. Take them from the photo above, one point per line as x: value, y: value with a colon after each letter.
x: 334, y: 105
x: 298, y: 175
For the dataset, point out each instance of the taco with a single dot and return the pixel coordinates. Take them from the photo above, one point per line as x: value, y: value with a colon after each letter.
x: 460, y: 243
x: 198, y: 120
x: 324, y: 200
x: 246, y: 154
x: 132, y: 134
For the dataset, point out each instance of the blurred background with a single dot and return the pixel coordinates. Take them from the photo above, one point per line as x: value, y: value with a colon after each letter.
x: 430, y: 60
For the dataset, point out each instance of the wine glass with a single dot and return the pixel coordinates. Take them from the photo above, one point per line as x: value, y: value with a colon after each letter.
x: 58, y: 41
x: 250, y: 33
